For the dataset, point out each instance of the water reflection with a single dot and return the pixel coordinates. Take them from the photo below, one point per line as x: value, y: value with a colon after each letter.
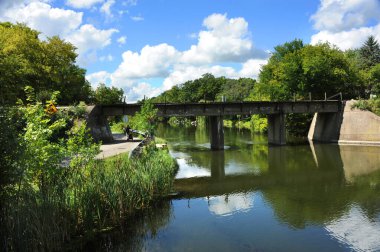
x: 254, y: 197
x: 354, y: 228
x: 230, y: 204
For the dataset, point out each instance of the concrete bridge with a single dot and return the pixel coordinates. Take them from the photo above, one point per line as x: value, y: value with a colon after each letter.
x: 275, y: 112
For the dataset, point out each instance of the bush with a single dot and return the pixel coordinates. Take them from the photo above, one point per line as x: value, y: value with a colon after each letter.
x: 372, y: 105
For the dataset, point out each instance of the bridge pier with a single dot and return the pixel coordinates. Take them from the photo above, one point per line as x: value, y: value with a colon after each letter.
x: 276, y: 129
x: 216, y: 132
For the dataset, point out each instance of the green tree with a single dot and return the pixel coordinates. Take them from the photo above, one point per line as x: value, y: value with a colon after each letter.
x: 375, y: 79
x: 370, y: 52
x: 44, y: 65
x: 108, y: 95
x: 145, y: 120
x: 296, y: 70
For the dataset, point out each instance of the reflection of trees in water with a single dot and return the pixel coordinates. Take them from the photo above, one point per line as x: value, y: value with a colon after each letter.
x: 318, y: 194
x: 130, y: 235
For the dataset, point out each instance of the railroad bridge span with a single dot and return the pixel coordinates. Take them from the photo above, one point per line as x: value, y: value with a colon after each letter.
x: 275, y: 111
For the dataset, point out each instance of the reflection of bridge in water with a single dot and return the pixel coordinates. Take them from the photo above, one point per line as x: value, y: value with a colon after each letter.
x: 275, y: 112
x: 331, y: 164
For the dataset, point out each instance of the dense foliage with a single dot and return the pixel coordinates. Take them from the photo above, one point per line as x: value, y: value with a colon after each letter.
x: 52, y: 188
x: 108, y: 95
x: 295, y: 70
x: 208, y: 88
x: 47, y: 65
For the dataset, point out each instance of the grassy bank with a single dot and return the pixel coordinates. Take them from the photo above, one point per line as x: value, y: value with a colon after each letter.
x: 53, y: 191
x: 84, y: 201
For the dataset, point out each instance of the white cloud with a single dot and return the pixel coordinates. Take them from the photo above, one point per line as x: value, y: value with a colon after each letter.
x: 347, y: 39
x: 42, y: 17
x: 152, y: 61
x: 98, y: 77
x: 252, y: 67
x: 83, y: 3
x: 137, y: 18
x: 346, y: 23
x: 88, y: 38
x: 106, y: 7
x: 122, y: 40
x: 225, y: 40
x: 340, y: 15
x: 139, y: 90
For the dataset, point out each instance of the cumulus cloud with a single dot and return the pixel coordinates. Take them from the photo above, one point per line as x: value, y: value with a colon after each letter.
x: 340, y: 15
x: 42, y: 17
x: 347, y: 39
x: 224, y: 40
x: 98, y: 77
x: 88, y: 39
x: 83, y: 3
x: 346, y: 23
x: 140, y: 90
x: 252, y: 67
x: 152, y: 61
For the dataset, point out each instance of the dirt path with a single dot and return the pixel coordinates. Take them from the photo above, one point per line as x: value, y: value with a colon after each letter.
x: 120, y: 145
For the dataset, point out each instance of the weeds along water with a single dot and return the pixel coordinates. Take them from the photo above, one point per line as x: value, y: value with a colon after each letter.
x: 83, y: 201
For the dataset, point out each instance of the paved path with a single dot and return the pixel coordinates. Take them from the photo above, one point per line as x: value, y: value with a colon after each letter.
x: 120, y: 145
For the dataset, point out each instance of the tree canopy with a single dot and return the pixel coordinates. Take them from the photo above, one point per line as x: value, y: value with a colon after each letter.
x: 370, y: 52
x: 46, y: 65
x: 108, y: 95
x: 295, y: 69
x: 208, y: 88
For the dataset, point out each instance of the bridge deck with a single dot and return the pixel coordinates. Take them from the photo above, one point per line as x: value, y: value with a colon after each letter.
x: 227, y: 108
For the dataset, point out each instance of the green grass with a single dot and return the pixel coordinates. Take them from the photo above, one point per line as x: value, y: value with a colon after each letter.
x: 372, y: 105
x: 85, y: 200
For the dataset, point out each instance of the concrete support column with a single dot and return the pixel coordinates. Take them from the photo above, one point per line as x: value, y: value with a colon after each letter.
x: 276, y: 129
x: 325, y: 127
x: 216, y: 133
x: 98, y: 125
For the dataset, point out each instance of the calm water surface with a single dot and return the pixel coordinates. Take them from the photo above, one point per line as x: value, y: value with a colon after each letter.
x: 251, y: 197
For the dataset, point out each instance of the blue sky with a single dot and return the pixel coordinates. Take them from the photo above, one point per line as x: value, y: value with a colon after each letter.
x: 147, y: 46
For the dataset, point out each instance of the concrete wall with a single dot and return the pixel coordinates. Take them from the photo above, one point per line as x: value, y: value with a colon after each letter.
x: 98, y: 125
x: 349, y: 126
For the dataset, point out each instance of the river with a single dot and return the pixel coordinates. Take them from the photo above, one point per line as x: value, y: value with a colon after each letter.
x: 255, y: 197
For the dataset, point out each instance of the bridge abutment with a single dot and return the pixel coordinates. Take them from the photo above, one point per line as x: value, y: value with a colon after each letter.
x: 276, y: 129
x: 216, y: 132
x: 98, y: 124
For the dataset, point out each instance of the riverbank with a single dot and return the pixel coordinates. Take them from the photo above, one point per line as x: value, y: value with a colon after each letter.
x: 98, y: 196
x: 119, y: 146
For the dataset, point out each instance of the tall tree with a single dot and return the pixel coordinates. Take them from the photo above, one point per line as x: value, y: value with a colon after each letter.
x: 47, y: 66
x: 108, y: 95
x: 370, y: 52
x: 316, y: 69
